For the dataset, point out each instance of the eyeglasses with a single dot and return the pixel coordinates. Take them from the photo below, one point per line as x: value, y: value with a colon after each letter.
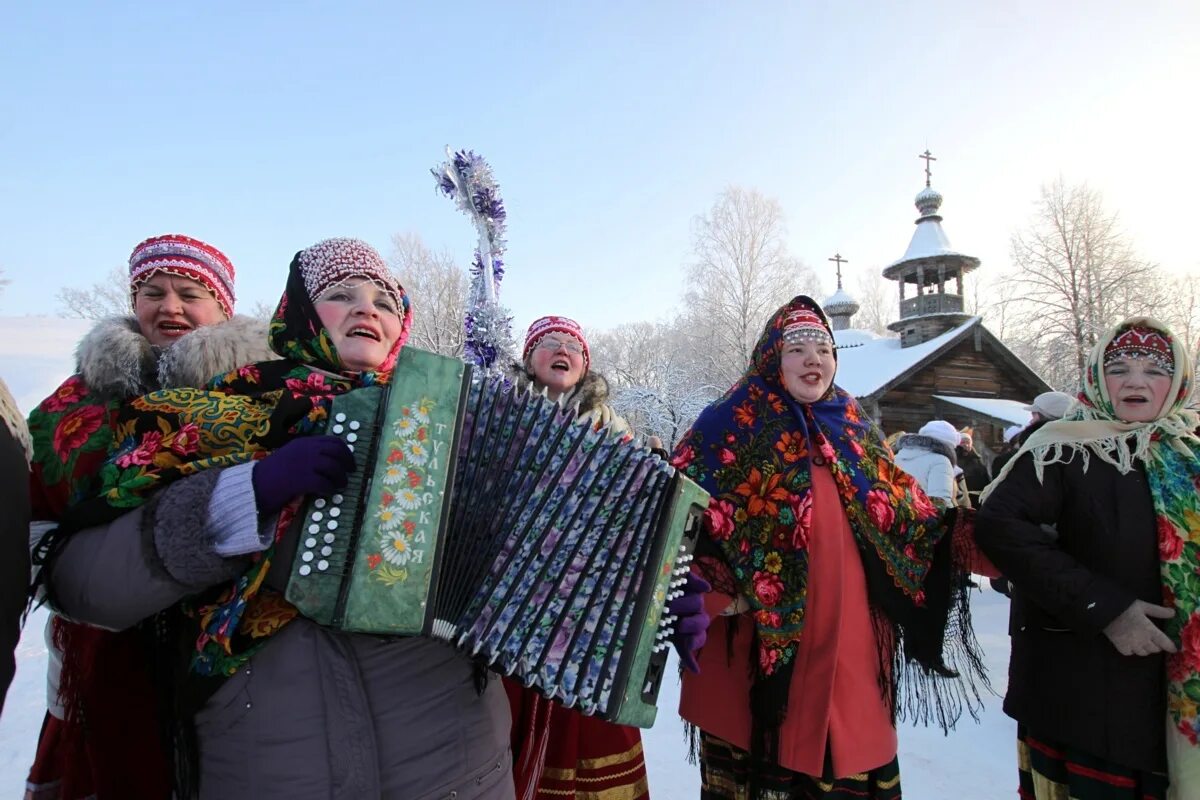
x: 554, y: 344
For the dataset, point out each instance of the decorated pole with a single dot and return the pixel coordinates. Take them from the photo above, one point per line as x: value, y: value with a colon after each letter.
x: 467, y: 180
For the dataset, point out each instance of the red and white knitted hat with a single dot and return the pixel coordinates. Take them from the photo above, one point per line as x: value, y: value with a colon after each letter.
x: 334, y: 262
x: 552, y: 324
x: 186, y: 257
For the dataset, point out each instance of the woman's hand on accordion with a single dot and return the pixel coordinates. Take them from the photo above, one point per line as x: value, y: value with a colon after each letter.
x: 309, y: 465
x: 691, y: 625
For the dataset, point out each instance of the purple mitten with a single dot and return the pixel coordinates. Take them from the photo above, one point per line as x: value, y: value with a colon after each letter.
x: 310, y: 465
x: 691, y: 627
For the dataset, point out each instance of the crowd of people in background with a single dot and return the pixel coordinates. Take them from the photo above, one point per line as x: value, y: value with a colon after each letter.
x: 829, y: 596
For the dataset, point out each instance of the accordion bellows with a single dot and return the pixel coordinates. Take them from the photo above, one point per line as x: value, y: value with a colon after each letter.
x: 489, y: 517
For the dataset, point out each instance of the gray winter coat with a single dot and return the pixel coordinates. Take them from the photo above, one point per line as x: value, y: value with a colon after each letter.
x: 316, y: 713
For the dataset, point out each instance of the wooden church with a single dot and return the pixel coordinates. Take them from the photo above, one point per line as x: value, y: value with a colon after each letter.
x: 945, y: 364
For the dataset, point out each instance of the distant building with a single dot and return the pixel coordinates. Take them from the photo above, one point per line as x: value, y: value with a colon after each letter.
x: 945, y: 364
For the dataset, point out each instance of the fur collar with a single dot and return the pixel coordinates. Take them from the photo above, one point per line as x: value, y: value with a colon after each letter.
x: 919, y: 442
x: 115, y: 360
x: 590, y: 393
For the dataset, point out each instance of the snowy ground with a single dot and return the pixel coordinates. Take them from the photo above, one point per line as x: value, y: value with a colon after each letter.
x: 975, y: 762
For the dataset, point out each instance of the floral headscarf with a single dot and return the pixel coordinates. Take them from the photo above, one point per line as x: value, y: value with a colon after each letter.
x: 1169, y: 450
x: 753, y: 451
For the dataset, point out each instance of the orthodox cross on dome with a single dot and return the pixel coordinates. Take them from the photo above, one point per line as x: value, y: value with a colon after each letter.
x: 837, y: 258
x: 928, y: 156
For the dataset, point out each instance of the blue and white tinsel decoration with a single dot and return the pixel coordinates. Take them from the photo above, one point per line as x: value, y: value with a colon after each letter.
x: 467, y: 180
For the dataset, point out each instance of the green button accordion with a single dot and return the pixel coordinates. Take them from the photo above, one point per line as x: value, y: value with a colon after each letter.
x: 489, y: 517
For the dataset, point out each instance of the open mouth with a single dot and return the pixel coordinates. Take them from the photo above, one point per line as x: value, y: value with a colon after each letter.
x: 173, y: 328
x: 561, y: 364
x: 365, y: 333
x: 1135, y: 399
x: 813, y: 378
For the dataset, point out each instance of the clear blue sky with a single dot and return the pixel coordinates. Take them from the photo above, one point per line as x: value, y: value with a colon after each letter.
x: 264, y: 127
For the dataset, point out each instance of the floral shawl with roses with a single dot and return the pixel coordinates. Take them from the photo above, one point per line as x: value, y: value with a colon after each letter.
x: 1169, y: 449
x: 244, y: 415
x: 753, y: 451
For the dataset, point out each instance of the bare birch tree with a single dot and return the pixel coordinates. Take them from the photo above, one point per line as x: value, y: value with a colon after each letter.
x: 108, y: 297
x: 1079, y: 274
x: 878, y: 302
x: 742, y: 272
x: 438, y: 289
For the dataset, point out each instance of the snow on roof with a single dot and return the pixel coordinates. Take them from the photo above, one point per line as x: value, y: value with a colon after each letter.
x: 928, y: 240
x: 37, y: 354
x: 865, y: 369
x: 1008, y: 410
x: 840, y: 297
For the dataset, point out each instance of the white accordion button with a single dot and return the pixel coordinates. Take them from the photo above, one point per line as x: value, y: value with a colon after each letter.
x: 329, y: 537
x: 322, y: 565
x: 319, y: 502
x: 332, y: 525
x: 304, y: 569
x: 335, y: 512
x: 354, y: 425
x: 337, y: 499
x: 317, y: 516
x: 307, y: 555
x: 310, y: 542
x: 339, y: 417
x: 338, y: 428
x: 351, y: 437
x: 314, y: 528
x: 326, y: 550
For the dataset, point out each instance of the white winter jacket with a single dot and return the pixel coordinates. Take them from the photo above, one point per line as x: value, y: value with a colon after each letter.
x: 929, y: 461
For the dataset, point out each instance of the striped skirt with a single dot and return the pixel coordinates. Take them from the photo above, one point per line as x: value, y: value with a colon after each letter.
x: 725, y: 775
x: 1050, y: 771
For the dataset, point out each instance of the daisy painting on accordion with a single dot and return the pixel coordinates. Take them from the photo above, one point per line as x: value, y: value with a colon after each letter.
x: 198, y: 522
x: 559, y: 751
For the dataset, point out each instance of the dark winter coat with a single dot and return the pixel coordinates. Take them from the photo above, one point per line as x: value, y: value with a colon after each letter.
x: 315, y: 713
x: 14, y: 533
x: 1079, y: 548
x: 1003, y: 458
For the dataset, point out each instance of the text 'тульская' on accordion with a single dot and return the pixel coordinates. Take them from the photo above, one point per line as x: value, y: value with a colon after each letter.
x: 487, y: 516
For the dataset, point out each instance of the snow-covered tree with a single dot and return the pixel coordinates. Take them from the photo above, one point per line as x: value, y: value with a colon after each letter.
x: 1078, y: 274
x: 740, y: 274
x: 438, y: 290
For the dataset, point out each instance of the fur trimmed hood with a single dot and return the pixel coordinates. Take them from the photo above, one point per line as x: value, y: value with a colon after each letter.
x: 115, y: 360
x: 589, y: 394
x: 916, y: 440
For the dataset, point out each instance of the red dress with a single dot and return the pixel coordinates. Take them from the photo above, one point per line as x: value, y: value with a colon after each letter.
x: 835, y: 697
x: 560, y: 753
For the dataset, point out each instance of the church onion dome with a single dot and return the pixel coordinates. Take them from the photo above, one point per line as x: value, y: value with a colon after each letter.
x: 840, y: 302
